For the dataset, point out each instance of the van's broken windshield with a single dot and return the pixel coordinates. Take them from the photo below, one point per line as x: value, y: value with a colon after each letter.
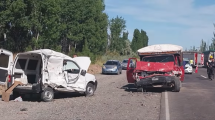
x: 165, y: 58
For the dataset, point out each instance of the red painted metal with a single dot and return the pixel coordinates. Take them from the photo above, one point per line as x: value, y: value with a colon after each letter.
x: 153, y: 66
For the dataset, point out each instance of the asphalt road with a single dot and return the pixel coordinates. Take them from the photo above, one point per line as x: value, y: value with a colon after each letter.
x: 195, y: 101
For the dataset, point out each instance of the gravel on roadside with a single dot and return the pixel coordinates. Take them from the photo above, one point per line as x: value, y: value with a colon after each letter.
x: 110, y: 102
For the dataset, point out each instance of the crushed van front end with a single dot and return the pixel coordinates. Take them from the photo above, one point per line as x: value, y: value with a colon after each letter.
x: 164, y: 80
x: 153, y: 78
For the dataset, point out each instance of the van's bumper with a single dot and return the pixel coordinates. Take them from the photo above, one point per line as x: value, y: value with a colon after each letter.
x: 34, y: 88
x: 155, y: 80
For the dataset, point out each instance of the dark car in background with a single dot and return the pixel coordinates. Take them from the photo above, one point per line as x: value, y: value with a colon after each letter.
x: 125, y: 63
x: 112, y: 67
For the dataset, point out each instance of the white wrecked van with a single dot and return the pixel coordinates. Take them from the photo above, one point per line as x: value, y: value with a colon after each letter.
x: 6, y: 59
x: 46, y: 71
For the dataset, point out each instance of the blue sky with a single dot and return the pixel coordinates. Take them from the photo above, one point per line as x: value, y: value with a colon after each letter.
x: 181, y: 22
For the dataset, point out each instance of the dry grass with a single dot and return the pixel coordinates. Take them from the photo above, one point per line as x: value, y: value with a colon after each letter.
x: 97, y: 67
x: 94, y: 69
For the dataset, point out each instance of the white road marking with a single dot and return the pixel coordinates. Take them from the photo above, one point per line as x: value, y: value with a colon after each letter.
x: 167, y: 106
x: 204, y: 76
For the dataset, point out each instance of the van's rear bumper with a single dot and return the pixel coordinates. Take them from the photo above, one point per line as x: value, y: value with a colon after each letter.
x: 34, y: 88
x: 160, y: 80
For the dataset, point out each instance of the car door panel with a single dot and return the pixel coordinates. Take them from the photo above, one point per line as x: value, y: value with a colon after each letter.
x: 130, y: 70
x: 74, y: 77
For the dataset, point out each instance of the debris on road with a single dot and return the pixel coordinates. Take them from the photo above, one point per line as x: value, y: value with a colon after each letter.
x: 6, y: 93
x: 24, y: 109
x: 19, y: 99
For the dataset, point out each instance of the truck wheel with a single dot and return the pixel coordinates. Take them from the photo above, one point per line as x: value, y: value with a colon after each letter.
x: 47, y: 95
x: 90, y: 89
x: 177, y: 85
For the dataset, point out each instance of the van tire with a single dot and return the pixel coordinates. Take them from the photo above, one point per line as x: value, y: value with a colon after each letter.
x: 177, y: 85
x: 16, y: 95
x: 47, y: 94
x: 90, y: 89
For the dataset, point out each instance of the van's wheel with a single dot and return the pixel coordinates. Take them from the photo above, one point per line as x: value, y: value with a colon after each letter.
x: 47, y: 95
x: 90, y: 89
x: 177, y: 85
x: 16, y: 95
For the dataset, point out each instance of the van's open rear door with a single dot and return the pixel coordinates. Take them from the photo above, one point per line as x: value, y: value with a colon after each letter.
x: 6, y: 58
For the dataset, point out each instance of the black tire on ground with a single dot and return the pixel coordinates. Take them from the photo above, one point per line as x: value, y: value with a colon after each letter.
x: 139, y: 89
x: 15, y: 95
x: 177, y: 85
x: 47, y: 95
x: 90, y: 89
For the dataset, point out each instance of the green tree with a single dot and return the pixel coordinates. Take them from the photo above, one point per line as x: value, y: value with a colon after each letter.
x: 144, y: 39
x: 117, y: 26
x: 140, y: 40
x: 135, y: 44
x: 202, y: 46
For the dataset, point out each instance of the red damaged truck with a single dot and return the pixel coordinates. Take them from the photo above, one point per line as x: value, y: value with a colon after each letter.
x: 159, y: 65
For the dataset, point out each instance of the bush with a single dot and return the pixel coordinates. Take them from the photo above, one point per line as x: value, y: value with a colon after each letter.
x: 114, y: 56
x: 100, y: 60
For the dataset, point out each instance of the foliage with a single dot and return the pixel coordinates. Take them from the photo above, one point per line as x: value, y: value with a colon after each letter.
x: 68, y: 26
x: 203, y: 46
x: 140, y: 39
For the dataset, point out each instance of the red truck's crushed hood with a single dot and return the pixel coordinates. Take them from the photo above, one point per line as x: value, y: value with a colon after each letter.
x: 155, y: 66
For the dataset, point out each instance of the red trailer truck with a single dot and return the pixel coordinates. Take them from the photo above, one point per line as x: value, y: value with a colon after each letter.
x: 195, y: 58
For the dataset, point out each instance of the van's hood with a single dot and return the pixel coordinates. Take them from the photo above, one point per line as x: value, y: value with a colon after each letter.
x: 155, y: 66
x: 83, y: 62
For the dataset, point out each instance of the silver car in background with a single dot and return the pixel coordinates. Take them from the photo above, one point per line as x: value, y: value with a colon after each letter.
x: 112, y: 67
x: 125, y: 63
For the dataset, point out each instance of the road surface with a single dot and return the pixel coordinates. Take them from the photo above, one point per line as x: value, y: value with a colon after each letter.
x: 112, y: 101
x: 195, y: 101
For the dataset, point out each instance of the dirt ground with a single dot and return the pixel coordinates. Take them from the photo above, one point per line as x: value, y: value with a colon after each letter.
x: 94, y: 69
x: 113, y: 100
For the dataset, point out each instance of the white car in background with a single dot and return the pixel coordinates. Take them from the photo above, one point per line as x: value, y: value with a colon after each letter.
x: 188, y: 68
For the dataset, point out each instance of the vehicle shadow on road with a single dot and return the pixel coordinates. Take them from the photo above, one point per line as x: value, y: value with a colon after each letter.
x: 132, y: 88
x: 108, y: 74
x: 67, y: 95
x: 36, y: 97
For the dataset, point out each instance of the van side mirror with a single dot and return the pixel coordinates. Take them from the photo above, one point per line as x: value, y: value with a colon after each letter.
x: 83, y: 72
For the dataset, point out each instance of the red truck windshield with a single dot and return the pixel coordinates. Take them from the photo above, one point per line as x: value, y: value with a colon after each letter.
x: 165, y: 58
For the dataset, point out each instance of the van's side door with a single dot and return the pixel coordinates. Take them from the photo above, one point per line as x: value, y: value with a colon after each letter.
x: 6, y: 59
x: 73, y: 76
x: 130, y: 70
x: 180, y: 66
